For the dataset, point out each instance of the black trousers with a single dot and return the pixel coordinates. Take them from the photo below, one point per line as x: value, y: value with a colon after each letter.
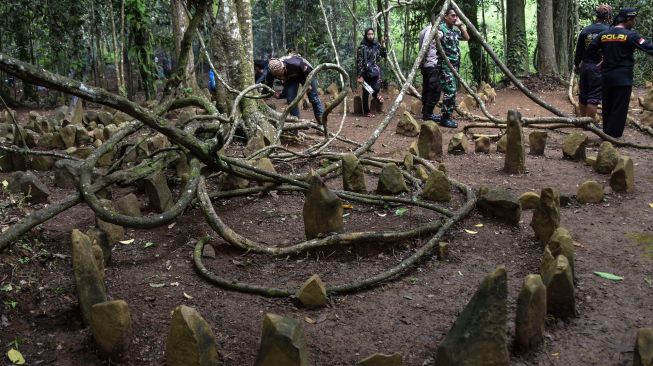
x: 616, y: 100
x: 375, y: 83
x: 430, y: 90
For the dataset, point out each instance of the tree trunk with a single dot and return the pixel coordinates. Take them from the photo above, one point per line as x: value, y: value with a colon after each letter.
x: 479, y: 67
x: 517, y: 56
x: 546, y: 57
x: 561, y: 12
x: 179, y: 25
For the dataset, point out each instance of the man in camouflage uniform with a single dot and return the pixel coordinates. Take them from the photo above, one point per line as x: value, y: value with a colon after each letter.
x: 450, y: 31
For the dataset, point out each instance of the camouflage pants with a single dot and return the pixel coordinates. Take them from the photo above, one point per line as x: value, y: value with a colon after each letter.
x: 449, y: 86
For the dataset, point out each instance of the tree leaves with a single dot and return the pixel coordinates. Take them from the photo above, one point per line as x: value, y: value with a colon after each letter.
x: 16, y: 357
x: 609, y: 276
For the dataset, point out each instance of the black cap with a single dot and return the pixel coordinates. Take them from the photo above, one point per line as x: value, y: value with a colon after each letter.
x: 624, y: 14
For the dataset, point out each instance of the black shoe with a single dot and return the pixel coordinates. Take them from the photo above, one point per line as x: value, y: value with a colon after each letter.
x: 449, y: 123
x: 432, y: 117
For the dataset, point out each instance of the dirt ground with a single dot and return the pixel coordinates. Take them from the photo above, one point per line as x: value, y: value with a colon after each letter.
x: 409, y: 315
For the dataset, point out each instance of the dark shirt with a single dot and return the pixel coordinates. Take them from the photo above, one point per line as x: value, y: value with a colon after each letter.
x: 297, y: 69
x: 617, y: 46
x: 368, y: 55
x: 586, y: 37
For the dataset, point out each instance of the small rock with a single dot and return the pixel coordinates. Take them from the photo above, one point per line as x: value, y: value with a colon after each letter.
x: 256, y: 143
x: 413, y: 148
x: 313, y: 294
x: 99, y: 238
x: 482, y: 145
x: 529, y: 200
x: 458, y: 144
x: 607, y: 158
x: 111, y: 325
x: 379, y: 359
x: 407, y: 125
x: 574, y: 146
x: 421, y: 173
x: 501, y: 204
x: 590, y: 192
x: 391, y: 181
x: 156, y: 187
x: 443, y: 250
x: 590, y: 160
x: 561, y: 243
x: 208, y: 251
x: 30, y: 186
x: 502, y: 144
x: 282, y: 343
x: 416, y: 108
x: 537, y: 142
x: 409, y: 162
x: 68, y: 135
x: 191, y: 341
x: 622, y: 178
x: 437, y: 187
x: 42, y: 162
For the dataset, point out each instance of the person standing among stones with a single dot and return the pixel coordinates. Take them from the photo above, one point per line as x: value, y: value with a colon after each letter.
x: 617, y: 46
x: 450, y: 31
x: 586, y: 63
x: 367, y: 56
x: 293, y: 71
x: 430, y: 76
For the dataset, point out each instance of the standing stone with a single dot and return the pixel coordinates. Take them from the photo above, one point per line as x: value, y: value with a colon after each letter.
x: 156, y: 187
x: 99, y: 238
x: 546, y: 217
x: 643, y: 347
x: 622, y: 179
x: 353, y: 174
x: 78, y: 113
x: 574, y: 146
x: 129, y: 205
x: 312, y: 294
x: 104, y: 118
x: 421, y: 173
x: 502, y: 144
x: 413, y: 149
x: 429, y: 142
x: 42, y: 162
x: 282, y: 343
x: 256, y: 143
x: 458, y: 144
x: 500, y: 204
x: 111, y: 326
x: 409, y: 161
x: 407, y: 125
x: 322, y: 210
x: 66, y: 173
x: 561, y: 243
x: 376, y: 106
x: 606, y: 159
x: 559, y: 282
x: 114, y: 232
x: 482, y: 145
x: 478, y: 336
x: 391, y: 181
x: 358, y: 105
x: 537, y: 142
x: 416, y: 108
x: 379, y: 359
x: 437, y: 187
x: 590, y: 192
x: 30, y: 186
x: 68, y: 135
x: 514, y: 163
x: 529, y: 200
x: 191, y: 341
x: 88, y: 279
x: 531, y: 313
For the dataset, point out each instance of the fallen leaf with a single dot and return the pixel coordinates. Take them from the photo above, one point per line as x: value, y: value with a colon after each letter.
x: 578, y: 244
x: 650, y: 205
x: 555, y: 354
x: 348, y: 207
x: 309, y: 320
x: 609, y: 276
x: 407, y: 297
x: 5, y: 183
x: 479, y: 225
x: 7, y: 287
x: 149, y: 244
x: 401, y: 211
x: 381, y: 214
x: 472, y: 232
x: 15, y: 357
x: 460, y: 273
x: 127, y: 241
x: 648, y: 280
x: 157, y: 285
x: 172, y: 225
x: 174, y: 283
x: 187, y: 296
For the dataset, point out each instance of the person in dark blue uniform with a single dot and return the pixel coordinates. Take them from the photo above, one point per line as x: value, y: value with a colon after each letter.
x: 585, y: 63
x: 617, y: 46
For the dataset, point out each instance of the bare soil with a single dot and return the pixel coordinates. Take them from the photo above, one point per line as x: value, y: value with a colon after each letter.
x: 410, y: 315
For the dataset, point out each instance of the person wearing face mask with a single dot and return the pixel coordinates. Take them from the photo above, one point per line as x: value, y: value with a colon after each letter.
x: 450, y: 31
x: 617, y: 46
x: 368, y: 54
